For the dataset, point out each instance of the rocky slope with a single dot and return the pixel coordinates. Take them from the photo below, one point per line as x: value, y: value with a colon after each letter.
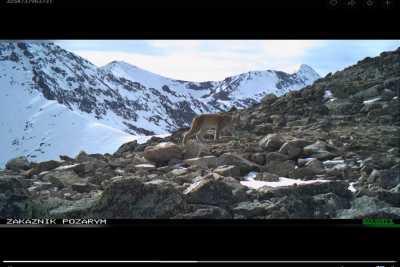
x: 330, y: 150
x: 48, y: 93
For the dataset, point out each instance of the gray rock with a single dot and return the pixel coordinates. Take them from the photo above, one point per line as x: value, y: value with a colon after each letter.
x: 327, y: 205
x: 15, y: 201
x: 275, y: 156
x: 266, y: 176
x: 271, y: 142
x: 387, y: 95
x: 127, y: 147
x: 369, y: 93
x: 244, y: 165
x: 206, y: 162
x: 18, y: 164
x: 252, y: 209
x: 62, y: 179
x: 131, y: 198
x: 43, y: 166
x: 318, y: 147
x: 216, y: 191
x: 264, y: 128
x: 315, y: 165
x: 162, y: 153
x: 386, y: 179
x: 292, y: 149
x: 205, y: 212
x: 369, y: 207
x: 80, y: 208
x: 82, y: 156
x: 281, y: 168
x: 304, y: 173
x: 258, y: 158
x: 391, y: 196
x: 228, y: 170
x: 83, y: 187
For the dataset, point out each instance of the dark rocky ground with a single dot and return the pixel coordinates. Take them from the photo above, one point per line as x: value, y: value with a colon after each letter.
x: 325, y: 134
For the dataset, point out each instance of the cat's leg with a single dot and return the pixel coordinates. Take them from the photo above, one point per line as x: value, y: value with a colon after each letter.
x: 200, y: 135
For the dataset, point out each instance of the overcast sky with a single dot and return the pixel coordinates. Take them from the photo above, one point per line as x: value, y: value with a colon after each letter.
x: 204, y: 60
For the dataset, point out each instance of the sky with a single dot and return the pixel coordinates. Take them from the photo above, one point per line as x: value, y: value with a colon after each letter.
x: 208, y: 60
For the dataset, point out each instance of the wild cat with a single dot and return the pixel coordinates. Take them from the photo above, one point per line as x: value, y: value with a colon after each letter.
x: 204, y: 122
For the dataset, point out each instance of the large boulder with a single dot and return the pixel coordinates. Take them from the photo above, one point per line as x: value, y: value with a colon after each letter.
x: 18, y: 164
x: 15, y: 201
x: 292, y: 149
x: 282, y: 168
x: 252, y: 209
x: 369, y: 207
x: 315, y: 165
x: 271, y: 142
x: 258, y: 158
x: 391, y: 196
x: 264, y: 128
x: 42, y: 167
x: 162, y: 153
x: 62, y: 179
x: 131, y: 198
x: 327, y: 205
x: 61, y: 208
x: 127, y: 147
x: 278, y: 208
x: 320, y: 150
x: 228, y: 170
x: 216, y: 190
x: 244, y: 165
x: 275, y: 156
x: 303, y: 173
x: 204, y: 212
x: 205, y: 162
x: 386, y: 179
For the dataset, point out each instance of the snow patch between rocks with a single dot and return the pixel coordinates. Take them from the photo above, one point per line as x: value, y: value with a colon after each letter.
x: 351, y: 187
x: 371, y: 100
x: 283, y: 181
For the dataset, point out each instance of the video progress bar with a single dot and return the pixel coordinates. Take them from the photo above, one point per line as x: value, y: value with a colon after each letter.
x: 193, y: 261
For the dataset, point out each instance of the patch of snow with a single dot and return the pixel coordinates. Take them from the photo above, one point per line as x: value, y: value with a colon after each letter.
x: 250, y: 176
x: 333, y: 162
x: 351, y: 187
x: 283, y: 181
x: 328, y: 94
x: 371, y: 100
x: 67, y: 167
x: 144, y: 166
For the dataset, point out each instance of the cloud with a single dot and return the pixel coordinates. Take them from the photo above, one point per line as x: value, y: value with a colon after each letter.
x: 204, y: 60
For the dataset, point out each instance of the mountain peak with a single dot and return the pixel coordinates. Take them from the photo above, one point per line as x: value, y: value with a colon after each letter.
x: 307, y: 71
x: 305, y: 67
x: 120, y: 63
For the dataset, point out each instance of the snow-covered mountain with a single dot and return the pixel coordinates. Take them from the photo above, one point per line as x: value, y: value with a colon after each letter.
x: 54, y: 102
x: 240, y: 90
